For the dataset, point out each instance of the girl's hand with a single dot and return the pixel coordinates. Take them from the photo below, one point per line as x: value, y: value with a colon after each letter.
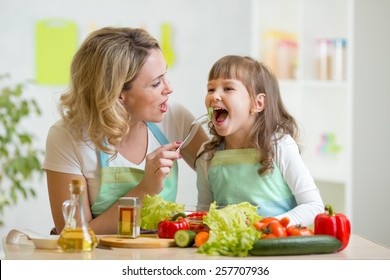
x: 158, y: 165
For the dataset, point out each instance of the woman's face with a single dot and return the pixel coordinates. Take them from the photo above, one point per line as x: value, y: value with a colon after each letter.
x: 147, y: 99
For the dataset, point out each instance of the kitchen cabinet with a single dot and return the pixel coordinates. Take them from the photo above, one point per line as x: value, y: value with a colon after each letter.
x: 343, y: 119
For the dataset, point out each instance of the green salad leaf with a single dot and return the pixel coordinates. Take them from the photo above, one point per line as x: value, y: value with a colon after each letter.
x: 155, y: 209
x: 231, y: 229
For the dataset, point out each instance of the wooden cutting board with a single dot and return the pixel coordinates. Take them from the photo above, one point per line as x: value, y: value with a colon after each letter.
x: 140, y: 242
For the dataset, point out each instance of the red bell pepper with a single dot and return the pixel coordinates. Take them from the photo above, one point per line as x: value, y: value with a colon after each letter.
x: 168, y: 227
x: 333, y: 224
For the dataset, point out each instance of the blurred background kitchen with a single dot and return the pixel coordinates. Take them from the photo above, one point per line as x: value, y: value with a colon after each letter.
x: 331, y: 57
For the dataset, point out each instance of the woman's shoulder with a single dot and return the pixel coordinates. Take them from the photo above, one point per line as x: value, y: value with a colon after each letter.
x: 58, y: 129
x: 61, y: 134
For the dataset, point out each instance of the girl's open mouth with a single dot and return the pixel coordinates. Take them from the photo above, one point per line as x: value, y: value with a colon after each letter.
x: 220, y: 114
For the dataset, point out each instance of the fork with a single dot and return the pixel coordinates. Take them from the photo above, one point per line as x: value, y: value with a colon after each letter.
x: 195, y: 124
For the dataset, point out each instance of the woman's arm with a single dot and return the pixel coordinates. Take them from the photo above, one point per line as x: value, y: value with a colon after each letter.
x: 190, y: 151
x: 106, y: 223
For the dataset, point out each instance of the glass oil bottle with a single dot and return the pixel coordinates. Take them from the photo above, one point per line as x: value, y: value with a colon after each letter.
x: 76, y: 236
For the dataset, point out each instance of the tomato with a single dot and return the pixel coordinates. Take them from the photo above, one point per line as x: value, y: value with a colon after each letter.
x: 259, y: 225
x: 269, y: 219
x: 273, y: 229
x: 298, y: 230
x: 284, y: 221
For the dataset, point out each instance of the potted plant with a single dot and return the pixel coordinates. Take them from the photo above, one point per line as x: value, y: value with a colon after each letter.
x: 19, y: 159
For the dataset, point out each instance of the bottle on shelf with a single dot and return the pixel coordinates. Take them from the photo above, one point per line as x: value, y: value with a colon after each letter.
x: 76, y: 236
x: 280, y: 53
x: 286, y: 59
x: 339, y: 59
x: 324, y: 59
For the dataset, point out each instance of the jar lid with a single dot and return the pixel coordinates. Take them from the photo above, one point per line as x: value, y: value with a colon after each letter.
x: 128, y: 201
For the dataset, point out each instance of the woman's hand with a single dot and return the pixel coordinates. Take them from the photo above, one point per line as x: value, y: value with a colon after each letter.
x: 158, y: 165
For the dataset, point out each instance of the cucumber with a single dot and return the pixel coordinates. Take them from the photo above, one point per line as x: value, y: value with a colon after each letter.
x: 296, y: 245
x: 184, y: 238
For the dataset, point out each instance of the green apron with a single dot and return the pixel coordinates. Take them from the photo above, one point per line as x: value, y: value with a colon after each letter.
x: 115, y: 182
x: 234, y: 178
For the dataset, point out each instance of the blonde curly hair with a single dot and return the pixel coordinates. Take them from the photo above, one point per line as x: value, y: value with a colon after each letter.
x: 106, y: 63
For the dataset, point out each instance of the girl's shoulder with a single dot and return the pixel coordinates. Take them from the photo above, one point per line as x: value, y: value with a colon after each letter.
x: 284, y: 139
x: 206, y: 155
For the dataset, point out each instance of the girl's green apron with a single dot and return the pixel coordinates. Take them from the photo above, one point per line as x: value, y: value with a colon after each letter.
x: 234, y: 178
x: 117, y: 181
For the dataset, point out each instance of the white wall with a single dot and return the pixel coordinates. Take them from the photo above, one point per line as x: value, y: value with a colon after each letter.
x: 371, y: 117
x: 203, y: 31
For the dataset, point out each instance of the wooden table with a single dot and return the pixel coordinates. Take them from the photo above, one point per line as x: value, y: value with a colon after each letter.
x: 359, y: 248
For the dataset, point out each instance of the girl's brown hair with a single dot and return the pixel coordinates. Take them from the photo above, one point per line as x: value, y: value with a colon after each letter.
x: 273, y: 122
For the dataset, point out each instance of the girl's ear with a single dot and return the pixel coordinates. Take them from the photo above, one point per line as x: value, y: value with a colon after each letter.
x: 260, y: 103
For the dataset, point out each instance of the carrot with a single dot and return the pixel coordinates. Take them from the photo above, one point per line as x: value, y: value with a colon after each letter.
x: 201, y: 238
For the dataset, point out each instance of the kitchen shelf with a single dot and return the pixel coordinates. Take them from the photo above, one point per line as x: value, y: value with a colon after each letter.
x: 321, y: 107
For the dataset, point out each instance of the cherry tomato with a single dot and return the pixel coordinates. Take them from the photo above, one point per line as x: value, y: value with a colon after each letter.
x: 269, y: 219
x: 284, y: 221
x: 298, y: 230
x: 273, y: 229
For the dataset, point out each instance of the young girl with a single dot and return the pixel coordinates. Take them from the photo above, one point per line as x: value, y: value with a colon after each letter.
x: 253, y: 155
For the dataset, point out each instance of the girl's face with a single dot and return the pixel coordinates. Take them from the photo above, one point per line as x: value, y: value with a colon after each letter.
x: 234, y: 110
x: 147, y: 99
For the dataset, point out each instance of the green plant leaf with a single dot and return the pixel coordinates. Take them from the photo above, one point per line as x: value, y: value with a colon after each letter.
x: 19, y: 160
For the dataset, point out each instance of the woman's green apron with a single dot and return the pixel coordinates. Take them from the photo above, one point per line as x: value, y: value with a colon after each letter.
x: 234, y: 178
x: 116, y: 182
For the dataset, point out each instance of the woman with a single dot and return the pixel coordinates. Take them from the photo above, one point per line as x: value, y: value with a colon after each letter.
x: 119, y: 132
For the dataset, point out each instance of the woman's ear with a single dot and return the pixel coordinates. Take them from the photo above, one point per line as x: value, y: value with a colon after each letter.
x: 260, y: 103
x: 121, y: 97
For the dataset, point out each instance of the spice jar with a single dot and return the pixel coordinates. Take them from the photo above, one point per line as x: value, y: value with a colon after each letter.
x: 129, y: 217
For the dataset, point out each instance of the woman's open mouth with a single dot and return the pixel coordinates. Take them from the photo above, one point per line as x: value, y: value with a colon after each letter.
x: 164, y: 106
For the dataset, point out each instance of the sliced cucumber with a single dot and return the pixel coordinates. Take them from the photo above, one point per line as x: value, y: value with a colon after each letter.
x: 184, y: 238
x: 296, y: 245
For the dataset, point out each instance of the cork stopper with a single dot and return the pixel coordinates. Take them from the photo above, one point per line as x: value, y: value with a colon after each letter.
x: 76, y: 186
